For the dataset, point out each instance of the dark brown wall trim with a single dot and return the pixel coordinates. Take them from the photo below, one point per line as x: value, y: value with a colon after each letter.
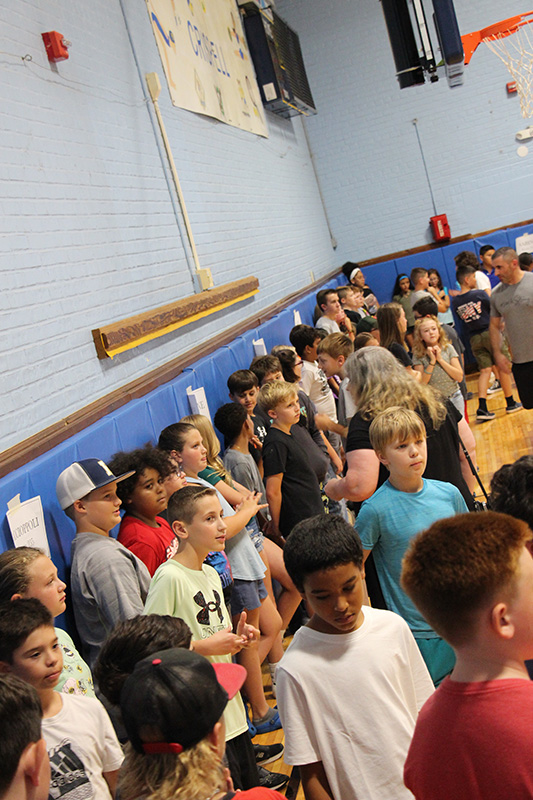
x: 41, y: 442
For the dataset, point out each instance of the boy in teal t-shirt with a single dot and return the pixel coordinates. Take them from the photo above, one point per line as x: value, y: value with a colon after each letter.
x: 402, y: 507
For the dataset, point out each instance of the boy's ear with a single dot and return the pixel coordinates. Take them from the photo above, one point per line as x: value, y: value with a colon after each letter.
x: 5, y: 667
x: 382, y: 459
x: 501, y: 621
x: 341, y: 360
x: 35, y: 763
x: 272, y: 413
x: 231, y: 397
x: 79, y: 506
x: 180, y: 529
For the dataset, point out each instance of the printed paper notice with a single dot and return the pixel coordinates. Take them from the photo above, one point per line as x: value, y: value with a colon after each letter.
x: 26, y: 523
x: 198, y: 401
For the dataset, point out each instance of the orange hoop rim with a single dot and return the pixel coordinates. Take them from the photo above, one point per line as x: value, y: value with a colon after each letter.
x: 506, y: 27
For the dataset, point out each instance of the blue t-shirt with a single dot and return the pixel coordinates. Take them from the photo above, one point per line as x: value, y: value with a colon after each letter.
x: 386, y: 524
x: 473, y: 308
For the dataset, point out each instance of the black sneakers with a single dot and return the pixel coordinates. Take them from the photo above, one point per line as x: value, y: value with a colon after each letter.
x: 266, y: 753
x: 272, y: 780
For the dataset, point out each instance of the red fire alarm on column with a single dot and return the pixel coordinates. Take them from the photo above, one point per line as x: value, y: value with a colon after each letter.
x: 56, y: 46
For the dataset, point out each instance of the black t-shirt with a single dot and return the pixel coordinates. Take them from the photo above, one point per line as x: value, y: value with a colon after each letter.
x: 261, y: 425
x: 442, y: 445
x: 300, y: 489
x: 400, y: 354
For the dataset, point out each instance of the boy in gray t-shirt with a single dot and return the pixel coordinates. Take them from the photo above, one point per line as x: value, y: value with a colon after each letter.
x: 108, y: 582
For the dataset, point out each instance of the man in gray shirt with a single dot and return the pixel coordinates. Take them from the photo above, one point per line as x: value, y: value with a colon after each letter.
x: 511, y: 303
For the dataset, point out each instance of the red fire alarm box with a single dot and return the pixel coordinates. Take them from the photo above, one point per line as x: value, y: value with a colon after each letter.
x: 440, y: 228
x: 56, y: 46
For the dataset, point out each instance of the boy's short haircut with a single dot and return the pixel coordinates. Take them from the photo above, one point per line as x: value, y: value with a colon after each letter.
x: 173, y: 437
x: 320, y: 543
x: 132, y: 640
x: 464, y: 270
x: 525, y: 260
x: 466, y: 258
x: 342, y: 291
x: 417, y: 273
x: 229, y: 420
x: 362, y: 340
x: 485, y: 249
x: 322, y: 297
x: 182, y: 504
x: 20, y: 723
x: 395, y: 424
x: 459, y: 565
x: 426, y: 307
x: 335, y: 345
x: 242, y: 380
x: 263, y: 365
x: 303, y: 336
x: 510, y: 490
x: 275, y: 393
x: 18, y: 620
x: 147, y: 457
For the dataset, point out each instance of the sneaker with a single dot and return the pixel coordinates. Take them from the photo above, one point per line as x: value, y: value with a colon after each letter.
x: 514, y: 406
x: 272, y: 780
x: 273, y: 723
x: 266, y: 753
x: 252, y: 730
x: 494, y: 387
x: 469, y: 395
x: 484, y: 416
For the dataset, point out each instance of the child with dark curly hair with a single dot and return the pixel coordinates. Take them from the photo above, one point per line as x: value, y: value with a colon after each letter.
x: 142, y: 530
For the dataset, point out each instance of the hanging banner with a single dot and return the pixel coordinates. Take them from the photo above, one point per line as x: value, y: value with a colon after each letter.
x: 206, y: 60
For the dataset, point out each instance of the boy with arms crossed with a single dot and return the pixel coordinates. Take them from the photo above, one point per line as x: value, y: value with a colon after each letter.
x: 471, y: 576
x: 351, y: 684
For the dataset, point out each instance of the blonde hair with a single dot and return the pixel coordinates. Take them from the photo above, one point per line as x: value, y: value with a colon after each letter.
x: 275, y: 393
x: 335, y: 345
x: 210, y: 441
x: 378, y: 381
x: 14, y: 570
x: 191, y: 775
x: 419, y: 345
x: 396, y: 424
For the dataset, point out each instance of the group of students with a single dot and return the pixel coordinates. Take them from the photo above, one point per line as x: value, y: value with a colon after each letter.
x: 178, y: 613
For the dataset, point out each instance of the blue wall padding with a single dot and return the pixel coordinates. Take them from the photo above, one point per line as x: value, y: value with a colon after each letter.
x: 141, y: 420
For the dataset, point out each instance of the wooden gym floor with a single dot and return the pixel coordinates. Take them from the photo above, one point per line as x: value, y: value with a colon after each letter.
x: 498, y: 442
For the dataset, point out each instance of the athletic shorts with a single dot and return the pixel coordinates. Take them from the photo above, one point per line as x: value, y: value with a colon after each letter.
x: 523, y: 375
x: 246, y: 595
x: 482, y: 349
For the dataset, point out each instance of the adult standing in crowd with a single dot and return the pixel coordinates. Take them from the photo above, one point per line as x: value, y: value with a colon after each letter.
x: 511, y: 303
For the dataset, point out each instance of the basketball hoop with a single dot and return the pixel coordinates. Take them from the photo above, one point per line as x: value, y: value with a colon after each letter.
x: 512, y: 41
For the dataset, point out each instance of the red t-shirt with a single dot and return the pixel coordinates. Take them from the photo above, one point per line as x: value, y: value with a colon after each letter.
x: 474, y: 741
x: 153, y: 546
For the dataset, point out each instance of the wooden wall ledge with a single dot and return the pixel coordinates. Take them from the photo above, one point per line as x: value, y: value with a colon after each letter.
x: 133, y: 331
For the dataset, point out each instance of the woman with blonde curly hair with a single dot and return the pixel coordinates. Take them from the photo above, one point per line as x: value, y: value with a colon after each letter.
x: 172, y: 707
x: 377, y: 381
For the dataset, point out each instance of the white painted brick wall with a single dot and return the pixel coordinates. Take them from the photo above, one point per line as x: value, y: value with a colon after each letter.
x: 367, y: 154
x: 87, y: 229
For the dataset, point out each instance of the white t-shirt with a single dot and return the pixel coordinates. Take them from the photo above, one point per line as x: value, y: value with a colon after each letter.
x: 315, y: 384
x: 82, y: 745
x: 329, y: 325
x: 351, y: 701
x: 482, y: 280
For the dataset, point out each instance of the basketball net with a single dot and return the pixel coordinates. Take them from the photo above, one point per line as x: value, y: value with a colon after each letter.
x: 514, y: 46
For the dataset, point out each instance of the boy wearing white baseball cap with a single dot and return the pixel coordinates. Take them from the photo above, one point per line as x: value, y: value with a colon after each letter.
x: 108, y: 583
